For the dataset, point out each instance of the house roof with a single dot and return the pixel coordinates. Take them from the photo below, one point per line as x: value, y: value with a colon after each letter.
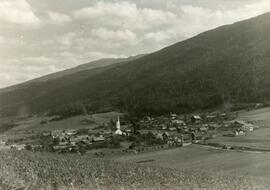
x: 196, y: 117
x: 98, y: 138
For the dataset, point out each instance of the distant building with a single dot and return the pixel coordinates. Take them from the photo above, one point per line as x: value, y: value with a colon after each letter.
x: 243, y: 125
x: 178, y: 122
x: 118, y: 127
x: 98, y: 139
x: 71, y: 132
x: 196, y: 119
x: 173, y: 116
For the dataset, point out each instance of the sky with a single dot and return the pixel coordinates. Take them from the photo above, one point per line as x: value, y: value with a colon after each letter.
x: 42, y: 37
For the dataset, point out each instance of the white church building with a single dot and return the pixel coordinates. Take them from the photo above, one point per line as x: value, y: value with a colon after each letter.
x: 118, y: 127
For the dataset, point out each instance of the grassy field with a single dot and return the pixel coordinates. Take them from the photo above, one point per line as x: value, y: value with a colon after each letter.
x: 196, y: 157
x: 27, y: 125
x: 49, y: 171
x: 258, y: 139
x: 192, y: 167
x: 262, y: 115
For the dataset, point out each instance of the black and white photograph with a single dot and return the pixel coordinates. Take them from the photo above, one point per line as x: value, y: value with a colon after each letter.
x: 134, y: 95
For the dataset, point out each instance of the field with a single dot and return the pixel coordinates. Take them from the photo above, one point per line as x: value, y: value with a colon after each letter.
x: 196, y: 157
x: 34, y: 124
x: 262, y: 115
x: 27, y: 170
x: 230, y: 162
x: 190, y: 167
x: 258, y: 139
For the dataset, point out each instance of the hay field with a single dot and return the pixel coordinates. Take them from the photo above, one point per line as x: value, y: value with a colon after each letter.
x: 43, y: 171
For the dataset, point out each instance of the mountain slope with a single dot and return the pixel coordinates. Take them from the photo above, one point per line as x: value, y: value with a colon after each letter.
x: 60, y: 74
x: 227, y: 64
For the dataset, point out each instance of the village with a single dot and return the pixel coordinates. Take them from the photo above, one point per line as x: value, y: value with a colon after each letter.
x: 150, y: 133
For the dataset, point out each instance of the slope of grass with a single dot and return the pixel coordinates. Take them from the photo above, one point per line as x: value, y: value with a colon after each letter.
x: 49, y: 171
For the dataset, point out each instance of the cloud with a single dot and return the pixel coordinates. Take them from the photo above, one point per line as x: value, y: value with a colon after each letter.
x: 118, y: 35
x: 17, y: 12
x: 58, y: 18
x: 63, y: 35
x: 123, y: 14
x: 23, y: 69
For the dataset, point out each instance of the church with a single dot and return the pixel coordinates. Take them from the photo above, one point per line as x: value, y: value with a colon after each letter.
x: 118, y: 127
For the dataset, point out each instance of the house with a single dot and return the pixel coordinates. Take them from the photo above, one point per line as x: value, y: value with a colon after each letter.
x: 166, y: 135
x: 213, y: 126
x: 70, y: 132
x: 63, y: 143
x: 98, y: 139
x: 74, y: 140
x: 173, y: 116
x: 18, y: 146
x: 223, y: 115
x: 56, y: 133
x: 60, y: 148
x: 107, y: 133
x: 243, y: 125
x: 172, y: 129
x: 128, y: 131
x: 159, y: 136
x: 148, y: 118
x: 83, y: 137
x: 196, y: 119
x: 163, y: 126
x: 204, y: 129
x: 46, y: 134
x: 210, y: 118
x: 238, y: 133
x: 80, y: 138
x: 178, y: 122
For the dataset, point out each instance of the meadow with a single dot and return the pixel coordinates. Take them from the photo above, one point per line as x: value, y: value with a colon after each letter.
x: 202, y: 158
x: 258, y: 139
x: 32, y: 171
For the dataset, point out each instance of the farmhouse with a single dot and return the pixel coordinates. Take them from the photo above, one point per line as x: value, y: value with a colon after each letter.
x: 56, y: 133
x: 173, y: 116
x: 172, y: 129
x: 211, y: 118
x: 243, y: 125
x: 70, y: 132
x: 178, y: 122
x: 98, y: 139
x: 196, y: 119
x: 204, y: 128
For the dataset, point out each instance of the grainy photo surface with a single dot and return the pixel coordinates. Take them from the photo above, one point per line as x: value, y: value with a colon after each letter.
x: 134, y: 95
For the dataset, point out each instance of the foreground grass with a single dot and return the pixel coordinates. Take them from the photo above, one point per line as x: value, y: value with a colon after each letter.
x: 49, y: 171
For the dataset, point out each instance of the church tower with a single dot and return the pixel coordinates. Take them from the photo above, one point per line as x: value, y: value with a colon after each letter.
x: 118, y: 127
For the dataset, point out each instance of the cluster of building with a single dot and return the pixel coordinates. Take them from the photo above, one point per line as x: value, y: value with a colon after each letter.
x: 171, y: 130
x: 181, y: 129
x: 239, y: 127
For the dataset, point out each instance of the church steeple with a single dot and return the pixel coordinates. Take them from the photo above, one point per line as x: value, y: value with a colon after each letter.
x: 118, y: 127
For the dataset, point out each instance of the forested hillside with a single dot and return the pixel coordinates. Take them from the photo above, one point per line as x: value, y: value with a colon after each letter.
x: 227, y: 64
